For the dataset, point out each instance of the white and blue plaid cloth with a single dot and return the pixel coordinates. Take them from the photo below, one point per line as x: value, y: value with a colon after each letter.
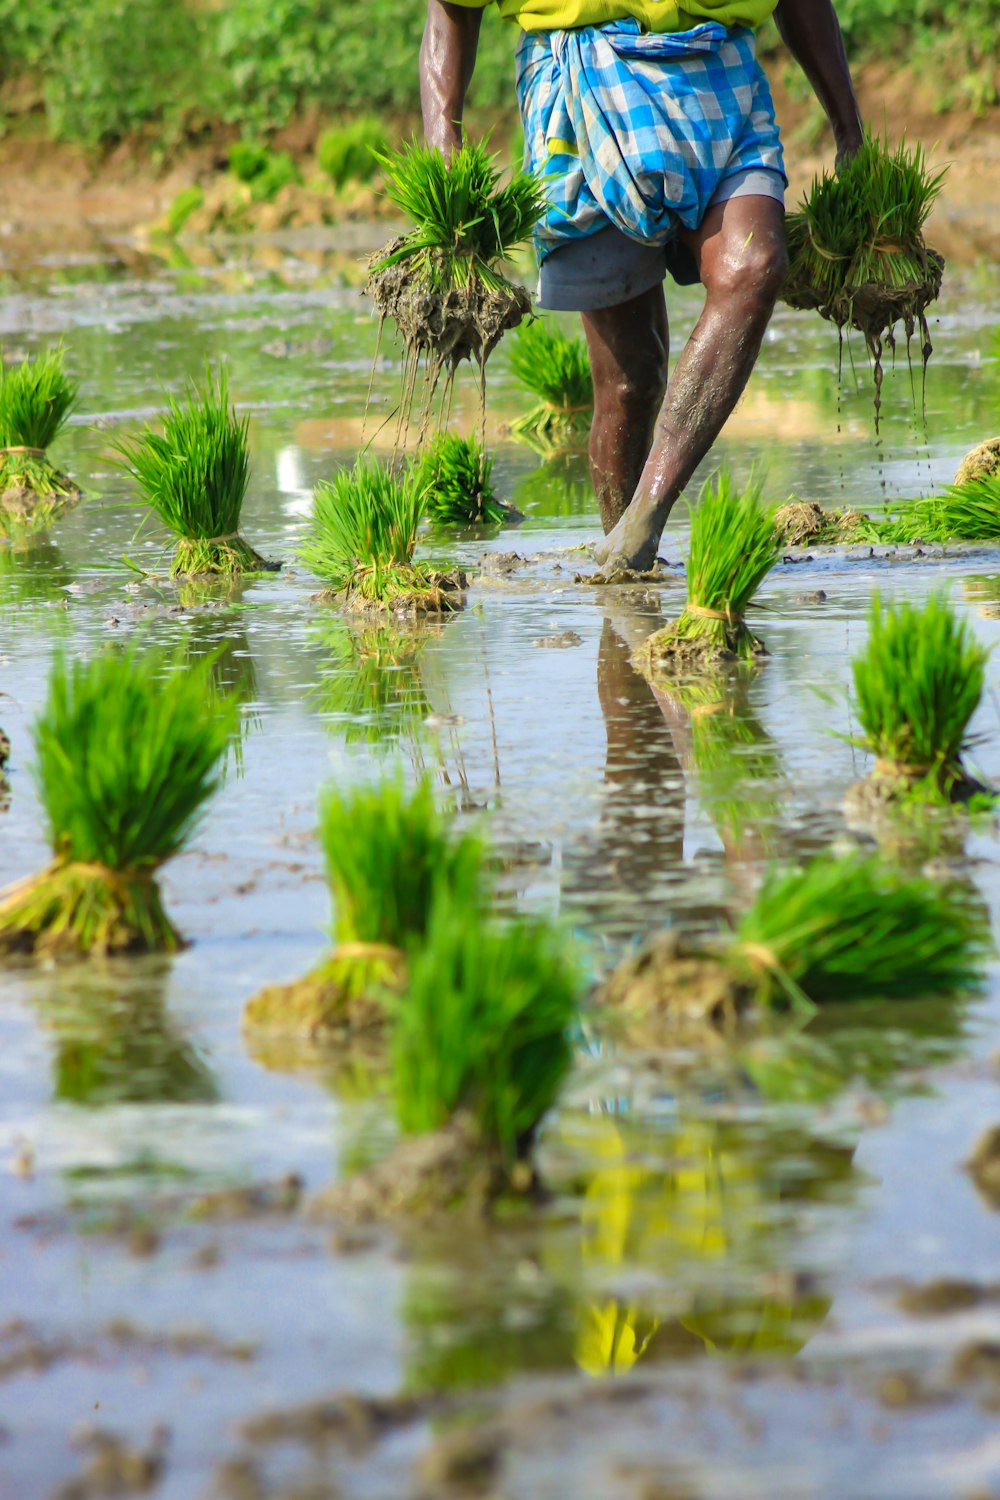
x: 640, y: 128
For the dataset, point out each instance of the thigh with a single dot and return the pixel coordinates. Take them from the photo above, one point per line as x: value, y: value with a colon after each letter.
x: 742, y: 236
x: 629, y: 341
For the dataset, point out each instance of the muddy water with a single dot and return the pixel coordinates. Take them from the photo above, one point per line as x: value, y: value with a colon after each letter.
x: 735, y: 1233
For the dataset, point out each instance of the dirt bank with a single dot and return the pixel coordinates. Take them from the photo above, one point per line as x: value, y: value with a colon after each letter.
x: 57, y: 198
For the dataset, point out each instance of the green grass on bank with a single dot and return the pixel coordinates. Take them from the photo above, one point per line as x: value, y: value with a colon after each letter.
x: 101, y: 70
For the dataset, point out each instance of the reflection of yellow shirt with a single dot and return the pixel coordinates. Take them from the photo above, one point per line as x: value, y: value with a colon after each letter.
x: 654, y: 15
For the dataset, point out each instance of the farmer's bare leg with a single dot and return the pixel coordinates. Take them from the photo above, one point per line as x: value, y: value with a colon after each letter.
x: 628, y: 346
x: 741, y: 258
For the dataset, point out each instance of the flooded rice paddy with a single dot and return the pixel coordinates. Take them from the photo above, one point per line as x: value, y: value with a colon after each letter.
x: 763, y: 1270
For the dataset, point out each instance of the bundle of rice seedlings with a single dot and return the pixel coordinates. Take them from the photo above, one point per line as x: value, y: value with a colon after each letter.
x: 836, y: 930
x: 967, y: 512
x: 263, y: 171
x: 918, y: 682
x: 556, y: 369
x: 480, y: 1048
x: 388, y: 851
x: 194, y: 476
x: 36, y: 400
x: 857, y: 251
x: 362, y: 538
x: 348, y: 153
x: 442, y: 283
x: 734, y: 545
x: 127, y: 750
x: 456, y: 477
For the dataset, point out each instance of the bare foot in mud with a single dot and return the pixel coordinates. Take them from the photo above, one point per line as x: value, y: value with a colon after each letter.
x: 630, y: 547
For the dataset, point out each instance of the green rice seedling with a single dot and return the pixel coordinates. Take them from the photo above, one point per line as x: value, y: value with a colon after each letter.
x: 127, y: 752
x: 456, y: 477
x: 734, y: 545
x: 442, y: 282
x: 836, y: 930
x: 187, y: 202
x: 37, y: 398
x: 484, y: 1028
x: 349, y: 153
x: 555, y: 369
x: 389, y: 851
x: 194, y: 476
x: 362, y: 538
x: 967, y: 512
x: 856, y: 246
x: 917, y: 683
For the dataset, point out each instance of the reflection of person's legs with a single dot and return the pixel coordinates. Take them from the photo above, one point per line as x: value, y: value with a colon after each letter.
x: 741, y: 258
x: 628, y: 347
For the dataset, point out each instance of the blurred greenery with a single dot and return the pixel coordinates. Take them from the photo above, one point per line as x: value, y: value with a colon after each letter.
x: 104, y: 69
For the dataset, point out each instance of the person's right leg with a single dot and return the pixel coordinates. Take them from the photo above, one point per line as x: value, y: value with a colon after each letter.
x: 628, y: 346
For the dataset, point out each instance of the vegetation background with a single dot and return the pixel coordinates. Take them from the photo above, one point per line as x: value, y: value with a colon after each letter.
x: 177, y: 72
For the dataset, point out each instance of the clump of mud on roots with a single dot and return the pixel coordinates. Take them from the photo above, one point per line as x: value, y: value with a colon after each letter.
x: 152, y: 735
x: 835, y: 930
x: 982, y: 462
x: 37, y: 398
x: 194, y: 477
x: 801, y: 523
x: 442, y: 283
x: 734, y: 545
x: 917, y: 684
x: 856, y: 248
x: 480, y: 1047
x: 390, y: 853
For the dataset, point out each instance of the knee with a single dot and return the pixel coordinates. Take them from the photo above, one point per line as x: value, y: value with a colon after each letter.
x: 636, y: 389
x: 754, y: 273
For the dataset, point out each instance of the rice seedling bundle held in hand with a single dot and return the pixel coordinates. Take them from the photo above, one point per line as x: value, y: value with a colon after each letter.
x: 856, y: 247
x: 128, y: 750
x: 37, y: 398
x: 442, y: 283
x: 555, y: 369
x: 362, y: 539
x: 834, y: 931
x: 455, y: 475
x: 390, y: 852
x: 918, y: 682
x: 194, y: 476
x: 734, y: 545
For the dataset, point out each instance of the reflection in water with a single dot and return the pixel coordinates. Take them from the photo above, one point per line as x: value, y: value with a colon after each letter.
x: 221, y: 637
x: 370, y: 684
x: 115, y: 1043
x: 33, y: 572
x: 560, y: 487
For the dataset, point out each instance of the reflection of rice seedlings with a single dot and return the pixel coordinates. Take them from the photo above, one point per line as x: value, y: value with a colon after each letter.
x: 388, y: 851
x: 918, y: 682
x: 362, y: 538
x: 373, y: 687
x: 856, y: 246
x: 195, y: 476
x: 127, y: 753
x: 232, y: 670
x: 734, y: 545
x: 556, y: 369
x: 33, y: 572
x: 442, y: 282
x: 731, y: 748
x: 456, y: 477
x: 835, y: 930
x: 36, y: 399
x: 561, y: 487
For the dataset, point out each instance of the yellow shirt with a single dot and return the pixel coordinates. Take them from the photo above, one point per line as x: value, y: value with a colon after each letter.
x: 654, y: 15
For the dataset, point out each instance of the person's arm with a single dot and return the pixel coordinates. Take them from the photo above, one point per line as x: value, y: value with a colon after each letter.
x: 447, y: 59
x: 811, y: 32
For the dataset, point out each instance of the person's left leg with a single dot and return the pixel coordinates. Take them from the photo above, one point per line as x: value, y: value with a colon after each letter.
x: 742, y: 261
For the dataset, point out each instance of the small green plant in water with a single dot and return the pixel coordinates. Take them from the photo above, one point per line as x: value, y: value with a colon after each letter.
x: 484, y: 1028
x: 349, y: 153
x: 967, y: 512
x: 456, y: 477
x: 555, y: 369
x: 194, y: 476
x: 390, y: 852
x: 362, y: 539
x: 734, y: 545
x: 37, y: 398
x: 127, y: 752
x: 918, y: 682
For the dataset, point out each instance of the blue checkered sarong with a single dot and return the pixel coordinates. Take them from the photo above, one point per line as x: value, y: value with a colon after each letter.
x: 640, y: 128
